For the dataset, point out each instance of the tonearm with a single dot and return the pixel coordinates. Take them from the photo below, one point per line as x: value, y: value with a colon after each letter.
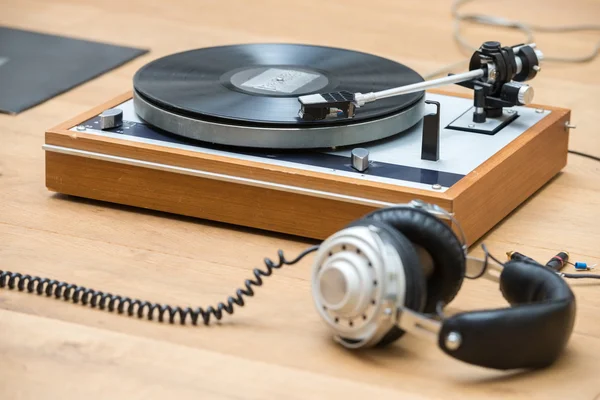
x: 495, y: 74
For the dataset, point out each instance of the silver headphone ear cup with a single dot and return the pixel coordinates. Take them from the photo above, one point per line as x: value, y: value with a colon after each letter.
x: 416, y: 290
x: 359, y: 283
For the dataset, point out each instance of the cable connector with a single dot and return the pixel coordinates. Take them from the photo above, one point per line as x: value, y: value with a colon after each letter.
x: 581, y: 266
x: 559, y: 261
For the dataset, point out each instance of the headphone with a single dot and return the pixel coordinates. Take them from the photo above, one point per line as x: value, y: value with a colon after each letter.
x: 388, y: 274
x: 391, y: 273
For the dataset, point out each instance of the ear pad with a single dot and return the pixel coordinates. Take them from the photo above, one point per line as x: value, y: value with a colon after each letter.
x: 437, y: 238
x: 415, y: 292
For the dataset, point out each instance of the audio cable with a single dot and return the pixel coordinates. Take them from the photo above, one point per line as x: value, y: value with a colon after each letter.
x: 579, y: 276
x: 557, y: 263
x: 121, y: 304
x: 528, y: 30
x: 586, y: 155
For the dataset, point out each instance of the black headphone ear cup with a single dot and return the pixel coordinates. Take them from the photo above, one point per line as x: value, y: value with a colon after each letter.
x: 438, y: 240
x: 415, y: 291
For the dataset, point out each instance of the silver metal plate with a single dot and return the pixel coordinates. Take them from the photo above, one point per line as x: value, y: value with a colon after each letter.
x: 280, y: 80
x: 277, y: 138
x: 460, y: 152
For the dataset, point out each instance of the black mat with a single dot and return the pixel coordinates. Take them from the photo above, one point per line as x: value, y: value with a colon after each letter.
x: 35, y: 67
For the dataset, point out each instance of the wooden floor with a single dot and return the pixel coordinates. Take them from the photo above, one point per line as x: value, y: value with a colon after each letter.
x: 276, y: 347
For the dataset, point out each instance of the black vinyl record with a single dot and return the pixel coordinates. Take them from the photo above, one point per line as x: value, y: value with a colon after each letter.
x: 259, y: 84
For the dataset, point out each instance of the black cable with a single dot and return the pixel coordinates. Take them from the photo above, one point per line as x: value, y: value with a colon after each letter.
x: 488, y: 254
x: 80, y: 294
x: 564, y: 275
x: 579, y: 276
x: 590, y: 156
x: 485, y: 264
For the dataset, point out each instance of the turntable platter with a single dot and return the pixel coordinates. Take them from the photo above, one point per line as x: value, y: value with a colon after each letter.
x: 247, y: 95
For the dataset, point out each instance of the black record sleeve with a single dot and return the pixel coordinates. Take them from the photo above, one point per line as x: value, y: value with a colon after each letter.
x: 35, y: 67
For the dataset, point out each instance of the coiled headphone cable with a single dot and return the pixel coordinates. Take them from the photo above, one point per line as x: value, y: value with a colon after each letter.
x: 109, y: 302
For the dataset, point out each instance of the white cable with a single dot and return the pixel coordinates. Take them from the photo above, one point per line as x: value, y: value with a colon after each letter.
x: 527, y: 29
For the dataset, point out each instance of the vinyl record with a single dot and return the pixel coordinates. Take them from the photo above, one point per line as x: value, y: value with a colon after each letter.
x: 259, y: 84
x: 247, y: 95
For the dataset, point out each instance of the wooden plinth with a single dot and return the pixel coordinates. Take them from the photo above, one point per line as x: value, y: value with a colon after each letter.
x: 479, y: 200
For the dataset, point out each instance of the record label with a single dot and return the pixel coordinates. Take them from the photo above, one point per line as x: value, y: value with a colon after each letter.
x: 277, y: 81
x: 280, y: 80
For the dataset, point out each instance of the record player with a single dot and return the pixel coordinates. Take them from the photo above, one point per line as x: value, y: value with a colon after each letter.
x: 304, y: 139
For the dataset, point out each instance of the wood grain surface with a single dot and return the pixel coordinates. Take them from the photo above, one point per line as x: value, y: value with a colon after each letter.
x: 275, y: 347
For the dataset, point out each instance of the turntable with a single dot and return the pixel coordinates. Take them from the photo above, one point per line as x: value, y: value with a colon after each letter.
x: 304, y: 139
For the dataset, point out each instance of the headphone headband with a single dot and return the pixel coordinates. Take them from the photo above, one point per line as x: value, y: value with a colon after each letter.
x: 530, y: 334
x: 436, y: 211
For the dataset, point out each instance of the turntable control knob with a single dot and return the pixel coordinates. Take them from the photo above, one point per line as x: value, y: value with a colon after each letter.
x: 360, y: 159
x: 112, y: 118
